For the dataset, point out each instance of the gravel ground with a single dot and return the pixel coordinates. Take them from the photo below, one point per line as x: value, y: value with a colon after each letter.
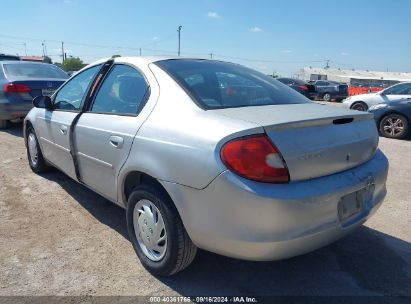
x: 59, y: 238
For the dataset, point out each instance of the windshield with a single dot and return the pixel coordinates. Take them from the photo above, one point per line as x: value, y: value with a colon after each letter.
x: 219, y: 85
x: 34, y: 70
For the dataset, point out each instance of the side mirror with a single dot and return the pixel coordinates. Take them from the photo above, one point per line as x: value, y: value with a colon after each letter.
x: 43, y: 102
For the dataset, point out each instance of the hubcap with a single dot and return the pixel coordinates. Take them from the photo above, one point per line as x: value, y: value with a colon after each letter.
x: 327, y: 97
x: 32, y: 144
x: 393, y: 126
x: 150, y: 230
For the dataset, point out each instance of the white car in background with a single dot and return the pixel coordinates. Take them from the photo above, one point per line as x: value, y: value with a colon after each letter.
x: 363, y: 101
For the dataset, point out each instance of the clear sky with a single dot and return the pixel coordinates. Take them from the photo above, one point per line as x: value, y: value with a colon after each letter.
x: 269, y: 35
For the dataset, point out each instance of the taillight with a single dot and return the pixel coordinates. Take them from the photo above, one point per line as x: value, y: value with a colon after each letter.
x: 16, y: 88
x: 303, y: 87
x: 256, y: 158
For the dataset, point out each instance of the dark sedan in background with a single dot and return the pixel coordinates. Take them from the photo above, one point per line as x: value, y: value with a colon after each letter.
x: 300, y: 86
x: 20, y: 82
x: 330, y: 90
x: 393, y: 118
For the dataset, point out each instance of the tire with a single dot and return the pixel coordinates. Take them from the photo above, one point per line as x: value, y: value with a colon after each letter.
x: 3, y: 124
x: 174, y: 248
x: 36, y: 162
x: 394, y: 126
x: 359, y: 106
x: 327, y: 97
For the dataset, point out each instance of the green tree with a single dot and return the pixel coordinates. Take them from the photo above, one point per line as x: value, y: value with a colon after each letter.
x: 73, y: 64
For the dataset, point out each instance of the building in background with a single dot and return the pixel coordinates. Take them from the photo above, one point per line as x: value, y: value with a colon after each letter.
x: 359, y: 81
x: 32, y: 58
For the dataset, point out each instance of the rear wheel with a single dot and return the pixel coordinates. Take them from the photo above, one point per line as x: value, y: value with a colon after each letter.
x: 327, y: 97
x: 359, y: 106
x: 394, y: 126
x: 3, y: 124
x: 157, y: 232
x: 34, y: 155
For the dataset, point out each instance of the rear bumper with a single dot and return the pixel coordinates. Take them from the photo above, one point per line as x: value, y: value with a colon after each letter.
x: 254, y: 221
x: 11, y: 110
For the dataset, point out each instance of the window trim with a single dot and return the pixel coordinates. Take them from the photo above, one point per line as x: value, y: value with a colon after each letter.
x: 144, y: 99
x: 86, y: 92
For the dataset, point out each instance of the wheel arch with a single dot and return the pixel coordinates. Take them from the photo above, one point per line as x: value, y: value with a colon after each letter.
x: 134, y: 178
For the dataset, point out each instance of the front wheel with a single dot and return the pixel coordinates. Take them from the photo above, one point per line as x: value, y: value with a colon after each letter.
x: 34, y: 155
x: 359, y: 106
x: 157, y: 232
x: 394, y: 126
x: 327, y: 97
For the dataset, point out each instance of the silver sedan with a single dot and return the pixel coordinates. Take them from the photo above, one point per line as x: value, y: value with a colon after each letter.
x: 212, y: 155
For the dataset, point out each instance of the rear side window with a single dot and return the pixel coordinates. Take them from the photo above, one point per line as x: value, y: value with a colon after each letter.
x: 123, y: 92
x: 32, y: 70
x: 218, y: 85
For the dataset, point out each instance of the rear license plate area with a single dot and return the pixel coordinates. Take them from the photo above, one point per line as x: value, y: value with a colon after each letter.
x: 351, y: 205
x: 47, y: 92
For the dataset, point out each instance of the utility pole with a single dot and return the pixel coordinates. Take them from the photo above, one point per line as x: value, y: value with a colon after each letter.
x: 25, y: 48
x: 327, y: 66
x: 45, y: 47
x: 42, y: 44
x: 211, y: 55
x: 179, y: 38
x: 62, y: 52
x: 140, y: 51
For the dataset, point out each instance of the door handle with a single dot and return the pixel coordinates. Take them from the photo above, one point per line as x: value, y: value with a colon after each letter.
x: 116, y: 141
x: 63, y: 129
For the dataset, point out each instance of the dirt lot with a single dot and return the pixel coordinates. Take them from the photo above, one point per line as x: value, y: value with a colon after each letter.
x: 59, y: 238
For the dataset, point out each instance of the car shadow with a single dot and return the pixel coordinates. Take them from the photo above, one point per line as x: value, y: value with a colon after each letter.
x: 14, y: 128
x: 99, y: 207
x: 367, y: 262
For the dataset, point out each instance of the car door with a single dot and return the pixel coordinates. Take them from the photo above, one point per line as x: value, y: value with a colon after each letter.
x: 55, y: 123
x: 105, y: 132
x: 397, y: 92
x: 321, y: 86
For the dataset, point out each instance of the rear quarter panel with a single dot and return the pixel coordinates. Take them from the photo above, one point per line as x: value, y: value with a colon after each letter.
x: 179, y: 142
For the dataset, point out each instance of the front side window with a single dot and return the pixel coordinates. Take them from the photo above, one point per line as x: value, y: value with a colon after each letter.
x: 400, y: 89
x: 123, y: 92
x: 71, y: 96
x: 219, y: 85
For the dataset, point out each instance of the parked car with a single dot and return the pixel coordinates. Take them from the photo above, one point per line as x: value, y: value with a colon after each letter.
x: 253, y: 174
x: 300, y: 86
x: 393, y: 118
x: 4, y: 57
x: 393, y: 93
x: 330, y: 90
x: 20, y: 82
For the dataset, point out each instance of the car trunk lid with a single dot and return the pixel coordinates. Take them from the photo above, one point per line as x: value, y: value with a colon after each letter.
x: 37, y: 87
x: 314, y: 140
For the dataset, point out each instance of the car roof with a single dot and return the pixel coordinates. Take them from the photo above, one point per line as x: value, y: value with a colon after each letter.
x: 21, y: 62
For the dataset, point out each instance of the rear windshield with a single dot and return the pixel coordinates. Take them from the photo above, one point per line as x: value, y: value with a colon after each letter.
x: 33, y: 70
x: 219, y: 85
